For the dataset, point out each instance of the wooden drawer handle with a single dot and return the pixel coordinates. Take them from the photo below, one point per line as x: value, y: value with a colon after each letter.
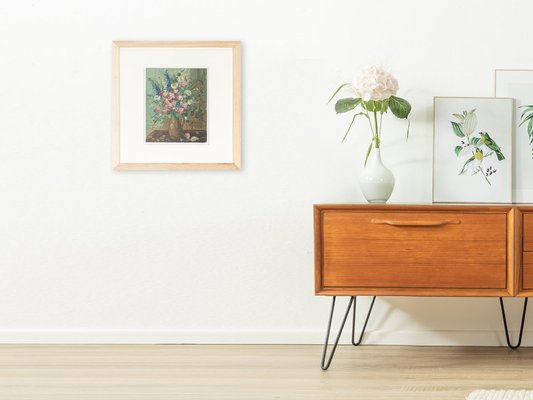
x: 415, y: 223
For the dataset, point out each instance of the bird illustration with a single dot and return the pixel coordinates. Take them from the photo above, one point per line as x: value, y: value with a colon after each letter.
x: 479, y: 155
x: 491, y: 144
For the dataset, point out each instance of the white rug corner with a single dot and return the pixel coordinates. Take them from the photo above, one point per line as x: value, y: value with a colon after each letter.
x: 501, y: 395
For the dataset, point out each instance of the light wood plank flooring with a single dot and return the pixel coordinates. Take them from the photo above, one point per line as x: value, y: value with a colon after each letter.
x: 151, y: 372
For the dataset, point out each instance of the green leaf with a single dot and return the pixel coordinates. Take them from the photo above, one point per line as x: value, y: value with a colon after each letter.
x: 337, y: 91
x: 347, y: 104
x: 526, y: 110
x: 368, y: 151
x: 460, y: 117
x: 351, y: 123
x: 475, y: 140
x: 458, y: 149
x: 530, y: 129
x: 399, y: 107
x: 527, y: 118
x: 370, y: 105
x: 457, y: 129
x: 466, y: 163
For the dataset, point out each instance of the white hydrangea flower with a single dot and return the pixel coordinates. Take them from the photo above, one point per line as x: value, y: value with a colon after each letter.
x: 375, y: 83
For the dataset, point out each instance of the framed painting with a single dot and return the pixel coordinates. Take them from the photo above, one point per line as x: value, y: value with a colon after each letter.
x: 472, y: 150
x: 518, y: 84
x: 176, y: 105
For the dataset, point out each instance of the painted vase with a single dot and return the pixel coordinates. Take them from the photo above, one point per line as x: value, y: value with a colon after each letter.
x: 175, y: 129
x: 376, y: 181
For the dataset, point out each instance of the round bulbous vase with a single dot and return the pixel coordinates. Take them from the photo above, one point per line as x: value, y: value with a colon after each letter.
x: 376, y: 181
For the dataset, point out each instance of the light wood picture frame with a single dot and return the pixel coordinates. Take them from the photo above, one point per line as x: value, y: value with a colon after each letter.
x: 472, y: 149
x: 518, y: 84
x: 176, y: 105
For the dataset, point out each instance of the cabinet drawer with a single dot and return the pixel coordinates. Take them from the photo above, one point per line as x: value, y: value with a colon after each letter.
x: 414, y: 249
x: 528, y: 232
x: 527, y: 277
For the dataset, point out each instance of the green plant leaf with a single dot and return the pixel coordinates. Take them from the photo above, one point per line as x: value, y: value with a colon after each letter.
x: 347, y: 104
x: 399, y: 107
x: 458, y: 150
x: 351, y: 123
x: 457, y: 129
x: 337, y: 91
x: 368, y: 151
x: 475, y: 140
x: 530, y: 128
x: 370, y: 105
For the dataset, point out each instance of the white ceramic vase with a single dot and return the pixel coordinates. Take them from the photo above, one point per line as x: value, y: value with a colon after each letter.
x: 376, y: 181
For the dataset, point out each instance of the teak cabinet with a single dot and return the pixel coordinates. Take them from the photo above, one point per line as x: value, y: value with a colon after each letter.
x: 423, y: 250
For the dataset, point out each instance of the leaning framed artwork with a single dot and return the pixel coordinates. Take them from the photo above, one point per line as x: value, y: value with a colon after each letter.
x: 176, y: 105
x: 518, y: 84
x: 472, y: 150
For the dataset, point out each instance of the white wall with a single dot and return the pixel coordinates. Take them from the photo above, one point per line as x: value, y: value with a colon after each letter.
x: 88, y: 254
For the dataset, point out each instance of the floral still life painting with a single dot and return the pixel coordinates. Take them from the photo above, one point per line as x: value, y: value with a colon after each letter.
x: 472, y: 150
x: 176, y: 105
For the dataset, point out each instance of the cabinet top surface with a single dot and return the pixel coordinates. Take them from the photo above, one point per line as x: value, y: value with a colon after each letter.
x: 423, y: 206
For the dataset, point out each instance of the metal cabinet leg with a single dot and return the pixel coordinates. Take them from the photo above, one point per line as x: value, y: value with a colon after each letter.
x: 521, y: 324
x: 366, y: 321
x: 325, y: 365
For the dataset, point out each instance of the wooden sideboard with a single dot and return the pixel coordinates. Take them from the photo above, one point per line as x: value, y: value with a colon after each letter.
x: 423, y: 250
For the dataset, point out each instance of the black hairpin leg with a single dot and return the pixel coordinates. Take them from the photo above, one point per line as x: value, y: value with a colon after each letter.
x: 332, y: 353
x: 521, y: 324
x: 366, y: 321
x: 325, y: 365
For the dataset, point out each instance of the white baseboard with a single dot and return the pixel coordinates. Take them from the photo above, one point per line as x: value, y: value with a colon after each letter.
x: 420, y: 338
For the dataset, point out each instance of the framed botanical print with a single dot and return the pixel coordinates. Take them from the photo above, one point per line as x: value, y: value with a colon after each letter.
x: 176, y: 105
x: 518, y: 84
x: 472, y: 150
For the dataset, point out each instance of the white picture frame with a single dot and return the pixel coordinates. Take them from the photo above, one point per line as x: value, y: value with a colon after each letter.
x: 475, y: 167
x: 132, y: 149
x: 518, y: 84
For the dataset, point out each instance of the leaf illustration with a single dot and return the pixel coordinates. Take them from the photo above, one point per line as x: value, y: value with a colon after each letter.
x: 466, y: 163
x: 460, y: 117
x: 457, y: 129
x: 527, y: 115
x: 458, y: 150
x: 469, y: 123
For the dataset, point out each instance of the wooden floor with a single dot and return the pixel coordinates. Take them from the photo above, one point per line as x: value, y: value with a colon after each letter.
x: 257, y: 372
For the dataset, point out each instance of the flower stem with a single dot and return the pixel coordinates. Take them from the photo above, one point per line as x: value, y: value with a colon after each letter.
x: 369, y: 120
x: 376, y: 137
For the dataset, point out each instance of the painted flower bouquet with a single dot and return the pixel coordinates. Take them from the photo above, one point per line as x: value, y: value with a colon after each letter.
x: 177, y: 100
x: 375, y: 91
